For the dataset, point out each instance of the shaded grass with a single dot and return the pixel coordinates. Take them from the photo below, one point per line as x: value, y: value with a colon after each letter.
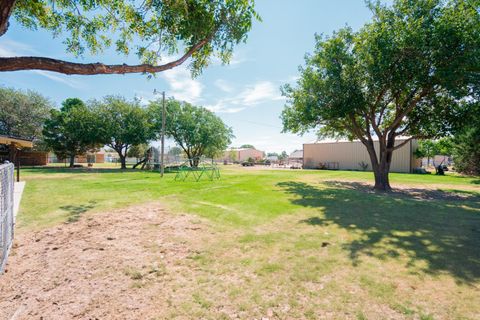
x: 434, y: 235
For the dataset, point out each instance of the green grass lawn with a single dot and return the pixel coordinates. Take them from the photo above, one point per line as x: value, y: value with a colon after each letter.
x: 54, y: 195
x: 314, y: 240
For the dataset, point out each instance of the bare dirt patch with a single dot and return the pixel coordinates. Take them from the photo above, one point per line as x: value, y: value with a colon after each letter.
x: 123, y: 264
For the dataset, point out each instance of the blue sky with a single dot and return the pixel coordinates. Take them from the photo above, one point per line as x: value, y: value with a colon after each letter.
x: 245, y: 94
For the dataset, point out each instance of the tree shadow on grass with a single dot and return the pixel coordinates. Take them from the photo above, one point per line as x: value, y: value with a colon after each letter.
x: 76, y: 211
x: 411, y: 192
x: 437, y: 231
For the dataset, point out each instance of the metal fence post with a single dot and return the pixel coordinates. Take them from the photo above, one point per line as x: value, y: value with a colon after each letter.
x: 7, y: 220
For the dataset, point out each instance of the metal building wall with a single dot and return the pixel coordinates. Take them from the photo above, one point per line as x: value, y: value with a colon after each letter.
x: 349, y: 155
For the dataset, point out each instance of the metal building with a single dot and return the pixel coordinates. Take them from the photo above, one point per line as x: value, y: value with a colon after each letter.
x: 353, y: 155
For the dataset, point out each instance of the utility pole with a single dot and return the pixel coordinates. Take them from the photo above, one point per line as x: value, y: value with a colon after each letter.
x: 162, y: 155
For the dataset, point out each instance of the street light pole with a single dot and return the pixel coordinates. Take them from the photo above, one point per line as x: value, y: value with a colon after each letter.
x: 162, y: 165
x: 162, y: 134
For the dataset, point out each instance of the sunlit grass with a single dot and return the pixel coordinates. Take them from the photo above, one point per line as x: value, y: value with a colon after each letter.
x: 239, y: 197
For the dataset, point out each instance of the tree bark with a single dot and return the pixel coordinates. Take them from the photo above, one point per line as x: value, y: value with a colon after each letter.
x: 72, y: 160
x: 382, y: 182
x: 380, y: 166
x: 196, y: 160
x: 6, y: 9
x: 65, y: 67
x: 123, y: 161
x: 189, y: 156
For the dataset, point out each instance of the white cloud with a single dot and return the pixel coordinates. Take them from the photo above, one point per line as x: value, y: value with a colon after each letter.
x: 223, y: 85
x: 261, y: 92
x: 223, y: 106
x: 251, y: 95
x: 6, y: 52
x: 237, y: 59
x: 182, y: 86
x: 59, y: 78
x: 11, y: 48
x: 145, y: 96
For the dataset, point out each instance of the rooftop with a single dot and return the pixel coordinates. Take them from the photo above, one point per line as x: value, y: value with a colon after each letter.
x: 16, y: 140
x: 400, y: 138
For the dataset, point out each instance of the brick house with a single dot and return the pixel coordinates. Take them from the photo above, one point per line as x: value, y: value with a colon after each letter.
x: 243, y: 154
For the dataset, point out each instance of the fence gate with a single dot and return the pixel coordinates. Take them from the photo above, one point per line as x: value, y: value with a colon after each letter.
x: 7, y: 220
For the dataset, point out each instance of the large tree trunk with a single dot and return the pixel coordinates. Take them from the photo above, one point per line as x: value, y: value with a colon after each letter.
x: 123, y: 161
x: 72, y: 160
x: 382, y: 182
x: 196, y: 160
x: 380, y: 167
x: 189, y: 156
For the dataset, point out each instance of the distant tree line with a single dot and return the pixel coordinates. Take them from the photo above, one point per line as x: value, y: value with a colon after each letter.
x: 281, y: 156
x: 127, y: 127
x: 122, y: 125
x: 23, y: 113
x: 198, y: 131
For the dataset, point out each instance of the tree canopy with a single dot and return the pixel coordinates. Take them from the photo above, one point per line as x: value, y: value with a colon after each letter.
x: 426, y: 149
x: 430, y: 148
x: 152, y: 30
x: 409, y: 72
x: 175, y: 151
x: 122, y: 124
x: 198, y: 131
x: 138, y: 150
x: 465, y: 143
x: 23, y: 113
x: 72, y: 130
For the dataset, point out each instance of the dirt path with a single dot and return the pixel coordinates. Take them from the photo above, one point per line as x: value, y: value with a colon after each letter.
x: 113, y: 265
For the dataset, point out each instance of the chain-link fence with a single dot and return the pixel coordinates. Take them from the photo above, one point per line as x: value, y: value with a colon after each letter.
x: 6, y: 211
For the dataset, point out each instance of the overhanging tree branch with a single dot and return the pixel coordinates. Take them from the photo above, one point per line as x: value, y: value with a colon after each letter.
x: 401, y: 144
x: 357, y: 129
x: 65, y: 67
